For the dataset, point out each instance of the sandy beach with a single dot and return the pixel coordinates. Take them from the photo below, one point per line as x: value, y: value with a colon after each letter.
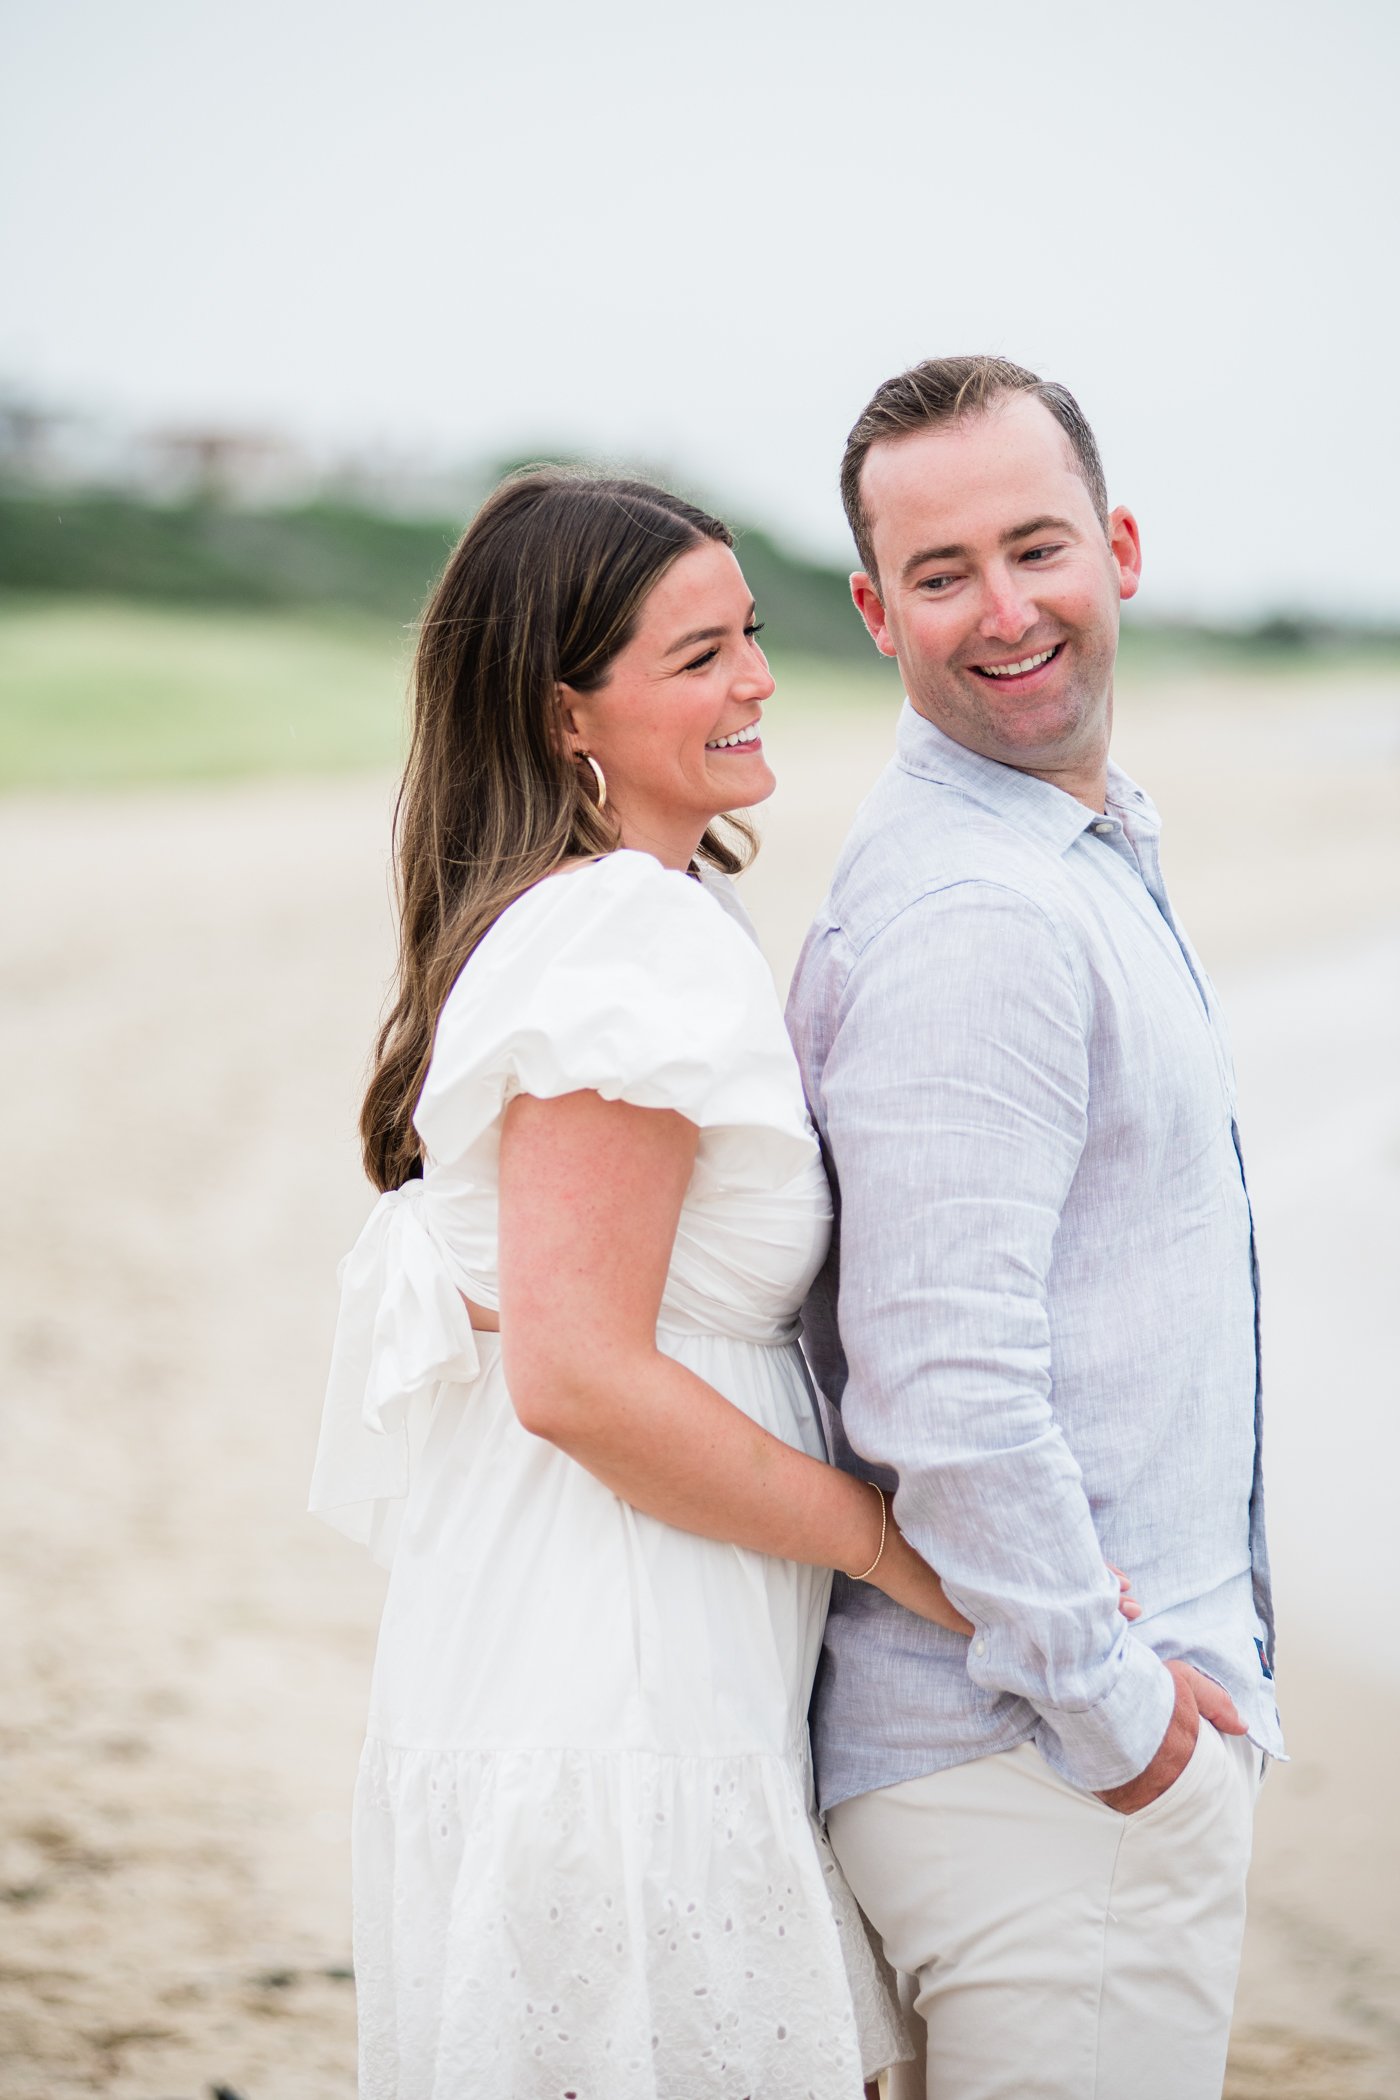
x: 190, y: 980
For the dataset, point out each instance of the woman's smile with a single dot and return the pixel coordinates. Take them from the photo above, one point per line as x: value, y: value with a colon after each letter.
x: 739, y: 740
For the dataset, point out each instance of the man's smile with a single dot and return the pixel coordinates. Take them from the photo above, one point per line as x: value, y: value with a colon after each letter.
x: 1022, y: 670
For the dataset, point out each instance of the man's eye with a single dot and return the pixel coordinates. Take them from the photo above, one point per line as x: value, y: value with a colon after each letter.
x: 1039, y: 553
x: 935, y: 583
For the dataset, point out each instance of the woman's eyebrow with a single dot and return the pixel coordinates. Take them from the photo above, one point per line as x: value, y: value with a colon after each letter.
x: 703, y: 634
x: 697, y: 634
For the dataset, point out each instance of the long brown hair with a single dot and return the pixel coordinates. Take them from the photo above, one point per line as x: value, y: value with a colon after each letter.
x: 544, y: 588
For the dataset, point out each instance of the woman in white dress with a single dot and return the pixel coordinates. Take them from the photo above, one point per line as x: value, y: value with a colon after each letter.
x: 566, y: 1399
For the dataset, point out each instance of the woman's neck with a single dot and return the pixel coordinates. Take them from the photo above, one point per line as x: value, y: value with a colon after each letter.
x: 675, y: 846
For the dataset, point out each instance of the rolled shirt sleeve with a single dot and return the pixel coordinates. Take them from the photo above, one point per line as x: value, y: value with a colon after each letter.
x: 955, y: 1097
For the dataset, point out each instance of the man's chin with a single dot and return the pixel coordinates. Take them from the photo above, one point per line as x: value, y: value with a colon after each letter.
x: 1043, y: 743
x: 1054, y: 733
x: 1058, y: 729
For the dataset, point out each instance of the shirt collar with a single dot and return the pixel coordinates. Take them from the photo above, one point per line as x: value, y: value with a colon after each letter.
x: 1034, y: 806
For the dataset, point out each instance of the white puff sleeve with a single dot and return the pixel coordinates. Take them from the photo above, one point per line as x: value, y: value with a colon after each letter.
x: 631, y: 980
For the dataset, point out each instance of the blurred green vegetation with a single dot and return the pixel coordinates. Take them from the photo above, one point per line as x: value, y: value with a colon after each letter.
x: 120, y: 545
x: 1264, y: 652
x: 325, y: 556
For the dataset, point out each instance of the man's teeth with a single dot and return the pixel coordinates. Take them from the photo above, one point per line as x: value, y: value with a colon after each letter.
x: 1030, y: 663
x: 740, y: 736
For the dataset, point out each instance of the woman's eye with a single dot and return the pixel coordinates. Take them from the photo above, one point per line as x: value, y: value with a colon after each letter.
x: 698, y: 663
x: 755, y: 629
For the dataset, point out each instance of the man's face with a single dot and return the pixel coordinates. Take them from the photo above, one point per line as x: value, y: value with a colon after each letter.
x: 998, y: 589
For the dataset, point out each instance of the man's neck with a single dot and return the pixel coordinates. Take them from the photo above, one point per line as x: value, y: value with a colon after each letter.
x: 1084, y: 775
x: 1088, y: 785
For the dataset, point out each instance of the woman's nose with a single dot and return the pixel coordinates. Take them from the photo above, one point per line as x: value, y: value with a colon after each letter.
x: 755, y: 680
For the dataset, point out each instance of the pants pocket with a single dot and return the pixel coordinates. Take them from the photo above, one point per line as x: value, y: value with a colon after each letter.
x: 1197, y: 1771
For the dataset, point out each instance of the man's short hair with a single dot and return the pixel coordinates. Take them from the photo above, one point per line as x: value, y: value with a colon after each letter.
x: 949, y: 390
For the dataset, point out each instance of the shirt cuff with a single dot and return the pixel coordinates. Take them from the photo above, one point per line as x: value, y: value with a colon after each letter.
x: 1111, y: 1742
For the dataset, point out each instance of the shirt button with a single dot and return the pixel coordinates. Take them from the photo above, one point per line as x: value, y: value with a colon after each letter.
x: 1103, y: 830
x: 979, y: 1647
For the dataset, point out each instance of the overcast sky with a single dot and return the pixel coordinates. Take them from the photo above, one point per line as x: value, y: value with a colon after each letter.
x: 703, y: 234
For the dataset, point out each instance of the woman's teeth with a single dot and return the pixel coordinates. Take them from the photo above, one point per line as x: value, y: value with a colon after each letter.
x: 1029, y: 663
x: 740, y: 736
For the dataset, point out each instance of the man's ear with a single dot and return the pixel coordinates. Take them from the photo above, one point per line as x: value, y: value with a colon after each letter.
x: 865, y: 593
x: 1125, y: 545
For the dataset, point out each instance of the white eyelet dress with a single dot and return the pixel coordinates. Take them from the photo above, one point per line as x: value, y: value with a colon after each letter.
x: 584, y: 1856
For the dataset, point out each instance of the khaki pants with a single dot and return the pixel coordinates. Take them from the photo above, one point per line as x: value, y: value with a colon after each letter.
x: 1053, y: 1948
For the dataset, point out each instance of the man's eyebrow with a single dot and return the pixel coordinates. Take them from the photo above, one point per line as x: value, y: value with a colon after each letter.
x: 916, y: 561
x: 1008, y: 539
x: 1033, y: 526
x: 705, y: 634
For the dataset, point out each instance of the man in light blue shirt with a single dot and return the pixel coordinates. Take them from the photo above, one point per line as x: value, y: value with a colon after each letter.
x: 1038, y: 1325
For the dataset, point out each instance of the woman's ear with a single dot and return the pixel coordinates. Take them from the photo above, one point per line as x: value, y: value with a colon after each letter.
x: 578, y: 718
x: 573, y: 741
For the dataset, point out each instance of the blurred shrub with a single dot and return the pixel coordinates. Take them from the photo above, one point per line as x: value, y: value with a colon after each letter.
x: 327, y: 554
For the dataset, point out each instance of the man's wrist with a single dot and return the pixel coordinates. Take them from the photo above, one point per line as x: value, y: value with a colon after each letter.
x: 1108, y: 1744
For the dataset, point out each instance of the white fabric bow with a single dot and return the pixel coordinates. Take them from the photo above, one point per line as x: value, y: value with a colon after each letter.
x: 403, y: 1330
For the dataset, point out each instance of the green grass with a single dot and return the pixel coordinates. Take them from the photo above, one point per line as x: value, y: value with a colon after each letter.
x: 97, y: 694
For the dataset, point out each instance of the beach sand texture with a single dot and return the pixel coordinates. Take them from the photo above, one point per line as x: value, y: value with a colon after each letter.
x: 190, y: 980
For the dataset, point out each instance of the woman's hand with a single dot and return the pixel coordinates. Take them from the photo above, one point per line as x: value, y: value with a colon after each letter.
x: 1127, y: 1602
x: 907, y: 1579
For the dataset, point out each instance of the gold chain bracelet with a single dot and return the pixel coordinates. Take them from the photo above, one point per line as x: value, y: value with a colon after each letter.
x: 884, y: 1532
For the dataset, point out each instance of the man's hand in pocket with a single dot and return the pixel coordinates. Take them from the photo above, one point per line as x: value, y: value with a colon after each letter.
x: 1198, y: 1698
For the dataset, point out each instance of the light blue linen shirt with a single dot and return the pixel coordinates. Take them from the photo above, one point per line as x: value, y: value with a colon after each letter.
x: 1044, y: 1277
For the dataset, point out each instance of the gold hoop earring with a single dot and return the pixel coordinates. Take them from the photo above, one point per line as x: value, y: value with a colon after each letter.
x: 590, y: 760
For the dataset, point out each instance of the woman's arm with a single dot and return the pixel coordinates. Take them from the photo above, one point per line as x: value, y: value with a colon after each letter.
x: 590, y: 1195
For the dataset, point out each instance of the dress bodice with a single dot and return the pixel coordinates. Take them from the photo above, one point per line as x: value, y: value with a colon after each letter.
x: 638, y: 983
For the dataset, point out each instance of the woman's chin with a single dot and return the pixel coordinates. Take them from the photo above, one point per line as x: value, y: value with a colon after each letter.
x: 752, y: 782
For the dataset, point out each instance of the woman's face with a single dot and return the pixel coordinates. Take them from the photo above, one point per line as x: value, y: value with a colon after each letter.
x: 675, y: 727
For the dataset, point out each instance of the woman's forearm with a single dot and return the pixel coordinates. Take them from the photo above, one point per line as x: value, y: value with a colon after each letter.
x: 665, y: 1441
x: 591, y: 1191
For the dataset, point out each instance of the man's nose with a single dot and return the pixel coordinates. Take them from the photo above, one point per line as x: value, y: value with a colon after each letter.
x: 1008, y: 610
